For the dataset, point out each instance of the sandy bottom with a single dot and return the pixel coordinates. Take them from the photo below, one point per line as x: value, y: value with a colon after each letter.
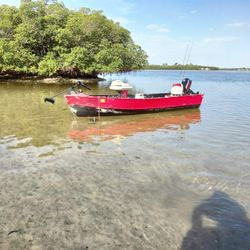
x: 93, y: 198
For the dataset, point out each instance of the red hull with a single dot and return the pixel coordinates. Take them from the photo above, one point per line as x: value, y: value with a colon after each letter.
x: 84, y: 105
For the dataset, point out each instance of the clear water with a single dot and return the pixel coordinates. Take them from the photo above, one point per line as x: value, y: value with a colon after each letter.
x: 174, y: 180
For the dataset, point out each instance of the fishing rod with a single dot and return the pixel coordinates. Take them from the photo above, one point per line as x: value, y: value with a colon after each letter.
x: 52, y: 100
x: 186, y: 58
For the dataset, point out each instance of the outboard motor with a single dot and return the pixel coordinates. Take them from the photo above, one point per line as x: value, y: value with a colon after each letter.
x: 121, y: 87
x: 186, y: 82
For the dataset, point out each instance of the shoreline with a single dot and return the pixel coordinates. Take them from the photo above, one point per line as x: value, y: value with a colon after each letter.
x: 50, y: 80
x: 66, y: 80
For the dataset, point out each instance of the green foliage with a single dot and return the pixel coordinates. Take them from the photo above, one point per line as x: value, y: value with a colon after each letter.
x: 48, y: 66
x: 45, y: 38
x: 9, y: 19
x: 15, y: 59
x: 118, y: 57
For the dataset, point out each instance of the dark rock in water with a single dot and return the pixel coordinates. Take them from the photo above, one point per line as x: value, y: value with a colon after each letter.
x: 14, y: 231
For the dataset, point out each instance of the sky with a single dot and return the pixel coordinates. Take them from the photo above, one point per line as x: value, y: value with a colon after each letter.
x: 216, y: 32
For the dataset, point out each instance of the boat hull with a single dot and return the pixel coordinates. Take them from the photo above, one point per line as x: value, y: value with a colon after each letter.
x: 86, y: 111
x: 84, y: 105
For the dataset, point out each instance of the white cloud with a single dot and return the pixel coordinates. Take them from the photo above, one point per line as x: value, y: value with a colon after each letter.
x: 186, y: 38
x: 238, y: 24
x: 158, y: 28
x: 124, y: 6
x: 219, y: 39
x: 184, y: 16
x: 162, y: 48
x: 217, y: 51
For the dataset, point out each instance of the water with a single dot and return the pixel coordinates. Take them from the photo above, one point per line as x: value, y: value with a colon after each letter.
x: 173, y: 180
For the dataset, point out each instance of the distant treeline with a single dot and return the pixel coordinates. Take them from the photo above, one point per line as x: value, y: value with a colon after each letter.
x: 180, y: 67
x: 44, y: 38
x: 189, y: 67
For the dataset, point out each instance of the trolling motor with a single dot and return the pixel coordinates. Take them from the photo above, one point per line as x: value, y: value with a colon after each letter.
x: 78, y: 84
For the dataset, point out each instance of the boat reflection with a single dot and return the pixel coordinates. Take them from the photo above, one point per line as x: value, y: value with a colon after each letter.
x: 108, y: 128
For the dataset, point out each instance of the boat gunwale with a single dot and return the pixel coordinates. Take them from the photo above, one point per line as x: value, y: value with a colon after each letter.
x: 146, y: 96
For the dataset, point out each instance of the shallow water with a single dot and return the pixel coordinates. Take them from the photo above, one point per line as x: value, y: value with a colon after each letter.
x: 172, y: 180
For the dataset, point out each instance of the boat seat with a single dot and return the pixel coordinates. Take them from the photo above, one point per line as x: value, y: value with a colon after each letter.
x: 176, y: 89
x: 139, y: 96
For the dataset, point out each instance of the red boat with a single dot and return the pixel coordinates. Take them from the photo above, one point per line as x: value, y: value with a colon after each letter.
x: 180, y: 97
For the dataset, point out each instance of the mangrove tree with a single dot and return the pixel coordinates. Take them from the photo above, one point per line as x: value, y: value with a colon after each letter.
x: 44, y: 38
